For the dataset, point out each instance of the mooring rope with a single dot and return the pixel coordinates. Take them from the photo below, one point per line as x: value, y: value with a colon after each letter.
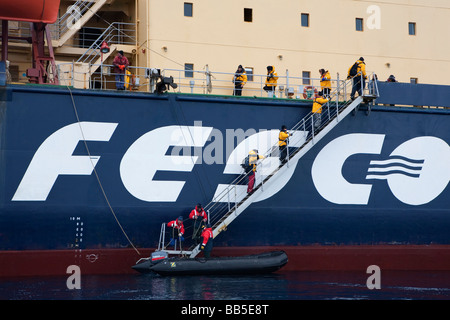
x: 96, y: 174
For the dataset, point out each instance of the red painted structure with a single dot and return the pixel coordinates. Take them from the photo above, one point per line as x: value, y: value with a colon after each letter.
x: 306, y: 258
x: 39, y: 13
x: 45, y: 11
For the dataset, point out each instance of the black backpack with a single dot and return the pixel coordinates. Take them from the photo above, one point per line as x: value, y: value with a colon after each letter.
x: 354, y: 70
x: 246, y: 165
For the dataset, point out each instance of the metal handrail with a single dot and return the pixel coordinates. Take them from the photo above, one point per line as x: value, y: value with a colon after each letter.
x: 93, y: 52
x: 218, y: 209
x: 61, y: 26
x: 221, y: 81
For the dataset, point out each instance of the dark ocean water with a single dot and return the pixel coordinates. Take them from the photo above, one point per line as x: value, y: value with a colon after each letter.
x: 395, y: 285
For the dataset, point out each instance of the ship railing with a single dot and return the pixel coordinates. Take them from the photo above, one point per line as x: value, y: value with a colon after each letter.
x: 231, y: 197
x: 87, y: 75
x: 223, y: 83
x: 116, y: 33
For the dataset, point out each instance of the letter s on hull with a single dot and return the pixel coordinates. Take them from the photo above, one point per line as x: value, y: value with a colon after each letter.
x: 147, y: 155
x: 54, y: 157
x: 326, y: 171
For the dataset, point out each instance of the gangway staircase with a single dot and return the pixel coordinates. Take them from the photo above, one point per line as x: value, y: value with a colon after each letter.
x: 75, y: 18
x: 222, y: 211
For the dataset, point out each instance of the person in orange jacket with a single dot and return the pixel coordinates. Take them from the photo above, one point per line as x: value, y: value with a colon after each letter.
x: 177, y: 230
x: 207, y: 243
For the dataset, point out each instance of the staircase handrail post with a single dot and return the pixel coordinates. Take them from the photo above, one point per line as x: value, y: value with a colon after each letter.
x: 338, y: 93
x: 287, y: 152
x: 235, y: 199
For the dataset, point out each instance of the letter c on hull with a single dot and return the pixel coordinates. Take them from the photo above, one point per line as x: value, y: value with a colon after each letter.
x: 326, y: 171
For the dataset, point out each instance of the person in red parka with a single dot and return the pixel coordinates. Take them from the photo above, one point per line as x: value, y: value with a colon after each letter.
x: 198, y: 212
x: 177, y: 231
x: 207, y: 243
x: 120, y: 64
x: 200, y: 218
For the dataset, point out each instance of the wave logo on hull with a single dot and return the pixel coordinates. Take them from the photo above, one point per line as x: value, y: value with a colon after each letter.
x: 417, y: 171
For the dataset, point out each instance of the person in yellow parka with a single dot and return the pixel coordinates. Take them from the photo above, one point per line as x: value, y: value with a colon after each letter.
x: 357, y: 71
x: 282, y: 143
x: 317, y: 109
x: 239, y: 80
x: 271, y: 80
x: 325, y: 82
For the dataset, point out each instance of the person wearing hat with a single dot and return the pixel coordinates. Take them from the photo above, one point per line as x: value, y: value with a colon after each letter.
x: 317, y: 109
x: 177, y: 229
x: 207, y: 243
x: 271, y: 80
x: 325, y: 82
x: 199, y: 216
x: 239, y: 80
x: 357, y: 71
x: 253, y: 158
x: 120, y: 64
x: 391, y: 78
x: 282, y: 143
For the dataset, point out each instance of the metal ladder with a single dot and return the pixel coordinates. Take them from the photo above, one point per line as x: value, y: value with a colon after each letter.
x: 222, y: 210
x: 336, y: 112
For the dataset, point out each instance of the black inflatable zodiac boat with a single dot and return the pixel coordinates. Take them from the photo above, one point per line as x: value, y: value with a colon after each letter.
x: 250, y: 264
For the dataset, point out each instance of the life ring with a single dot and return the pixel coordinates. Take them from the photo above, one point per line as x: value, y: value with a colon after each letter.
x: 308, y: 92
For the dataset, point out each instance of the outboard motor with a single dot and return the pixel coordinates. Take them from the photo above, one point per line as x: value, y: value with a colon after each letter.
x: 144, y: 264
x: 158, y: 256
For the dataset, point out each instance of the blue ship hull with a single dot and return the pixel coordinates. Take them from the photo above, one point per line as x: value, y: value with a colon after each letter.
x: 376, y: 179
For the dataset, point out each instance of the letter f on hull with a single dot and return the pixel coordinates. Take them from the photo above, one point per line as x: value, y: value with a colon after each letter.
x: 54, y: 157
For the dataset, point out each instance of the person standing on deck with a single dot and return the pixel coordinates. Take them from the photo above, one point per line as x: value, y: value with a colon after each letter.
x: 177, y: 230
x: 120, y: 64
x: 357, y: 72
x: 239, y: 80
x: 271, y: 80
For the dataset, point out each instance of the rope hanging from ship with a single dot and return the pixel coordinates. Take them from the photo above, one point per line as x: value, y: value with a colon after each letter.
x: 97, y: 176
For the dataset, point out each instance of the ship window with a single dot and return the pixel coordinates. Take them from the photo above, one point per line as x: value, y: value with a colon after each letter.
x: 359, y: 24
x: 305, y: 19
x: 188, y: 9
x: 414, y: 80
x: 188, y: 70
x: 306, y: 75
x: 248, y: 15
x: 412, y: 28
x: 249, y: 72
